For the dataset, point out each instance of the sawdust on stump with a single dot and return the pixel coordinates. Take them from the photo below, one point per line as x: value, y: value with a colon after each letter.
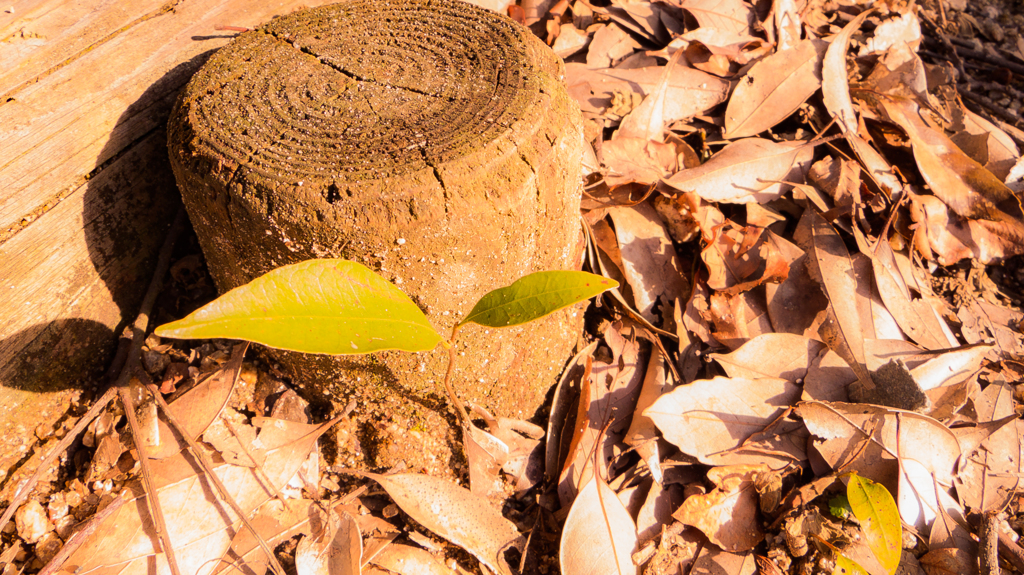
x: 434, y: 142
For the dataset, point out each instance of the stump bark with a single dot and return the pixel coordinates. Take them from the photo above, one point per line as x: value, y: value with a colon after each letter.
x: 431, y: 140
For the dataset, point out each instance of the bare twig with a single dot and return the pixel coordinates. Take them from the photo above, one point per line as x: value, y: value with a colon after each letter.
x: 989, y: 105
x: 147, y: 475
x: 988, y: 551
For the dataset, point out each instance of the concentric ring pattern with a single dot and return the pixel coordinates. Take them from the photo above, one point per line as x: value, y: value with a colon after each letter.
x: 363, y: 89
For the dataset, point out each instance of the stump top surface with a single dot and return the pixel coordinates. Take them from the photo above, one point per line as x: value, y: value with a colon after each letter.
x: 364, y: 89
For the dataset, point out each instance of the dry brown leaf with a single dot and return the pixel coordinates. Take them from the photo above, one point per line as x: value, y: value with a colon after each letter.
x: 644, y: 18
x: 949, y: 561
x: 610, y: 45
x: 561, y: 422
x: 727, y: 515
x: 781, y: 444
x: 690, y: 92
x: 656, y: 512
x: 485, y: 455
x: 740, y: 259
x: 876, y: 320
x: 409, y: 560
x: 651, y: 265
x: 797, y: 304
x: 921, y: 498
x: 829, y: 261
x: 785, y: 24
x: 599, y: 536
x: 839, y: 179
x: 890, y: 433
x: 521, y: 455
x: 739, y: 317
x: 198, y: 524
x: 835, y: 91
x: 916, y: 317
x: 712, y: 415
x: 744, y: 171
x: 275, y: 521
x: 647, y: 121
x: 774, y: 355
x: 774, y: 88
x: 727, y: 15
x: 989, y: 476
x: 981, y: 320
x: 607, y: 400
x: 835, y: 86
x: 452, y: 512
x: 335, y: 547
x: 642, y: 433
x: 197, y: 408
x: 707, y: 45
x: 987, y: 144
x: 636, y: 160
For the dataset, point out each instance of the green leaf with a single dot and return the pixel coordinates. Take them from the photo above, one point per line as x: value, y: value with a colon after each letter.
x: 874, y: 507
x: 847, y: 566
x: 535, y: 296
x: 839, y: 507
x: 316, y: 306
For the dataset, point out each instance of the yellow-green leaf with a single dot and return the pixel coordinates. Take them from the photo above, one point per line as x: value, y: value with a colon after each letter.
x: 316, y: 306
x: 847, y: 566
x: 879, y: 518
x: 535, y: 296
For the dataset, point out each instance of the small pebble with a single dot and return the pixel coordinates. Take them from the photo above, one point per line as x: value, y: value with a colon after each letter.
x: 48, y: 547
x: 31, y: 521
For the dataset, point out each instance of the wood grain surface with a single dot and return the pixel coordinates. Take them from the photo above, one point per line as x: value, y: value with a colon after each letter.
x: 86, y: 193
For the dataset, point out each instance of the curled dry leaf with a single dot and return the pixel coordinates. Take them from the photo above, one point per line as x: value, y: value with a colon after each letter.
x: 651, y: 265
x: 453, y: 513
x: 829, y: 261
x: 835, y: 90
x: 774, y: 88
x: 835, y: 87
x: 599, y: 536
x: 744, y: 171
x: 713, y: 415
x: 728, y: 514
x: 916, y: 317
x: 334, y: 548
x: 607, y: 400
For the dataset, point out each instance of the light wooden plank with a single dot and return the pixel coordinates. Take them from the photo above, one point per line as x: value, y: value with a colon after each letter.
x: 82, y: 122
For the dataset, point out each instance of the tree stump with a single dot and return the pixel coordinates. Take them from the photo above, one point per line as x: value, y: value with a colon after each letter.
x: 434, y: 142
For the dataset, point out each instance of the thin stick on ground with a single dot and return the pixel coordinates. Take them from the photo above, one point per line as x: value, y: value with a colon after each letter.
x: 147, y: 477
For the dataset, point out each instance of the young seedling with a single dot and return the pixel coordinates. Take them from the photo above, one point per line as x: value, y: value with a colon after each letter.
x: 341, y: 307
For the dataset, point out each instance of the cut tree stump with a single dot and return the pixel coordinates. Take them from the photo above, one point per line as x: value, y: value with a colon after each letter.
x: 432, y: 141
x: 86, y: 192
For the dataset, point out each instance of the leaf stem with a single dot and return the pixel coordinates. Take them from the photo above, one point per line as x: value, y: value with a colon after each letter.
x: 450, y: 344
